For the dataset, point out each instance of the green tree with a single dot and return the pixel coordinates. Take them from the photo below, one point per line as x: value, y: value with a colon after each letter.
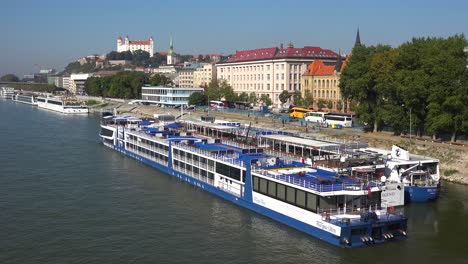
x: 197, y: 99
x: 447, y: 100
x: 265, y: 99
x: 217, y: 90
x: 141, y: 58
x: 329, y: 104
x: 252, y: 98
x: 244, y: 97
x: 284, y: 97
x: 358, y: 83
x: 160, y: 80
x: 308, y: 100
x: 9, y: 78
x: 321, y: 104
x: 93, y: 86
x: 339, y: 105
x: 296, y: 98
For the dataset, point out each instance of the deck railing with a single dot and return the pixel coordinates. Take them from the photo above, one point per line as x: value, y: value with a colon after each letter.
x: 320, y: 187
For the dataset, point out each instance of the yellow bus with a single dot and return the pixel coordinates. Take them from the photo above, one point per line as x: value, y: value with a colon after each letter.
x: 298, y: 112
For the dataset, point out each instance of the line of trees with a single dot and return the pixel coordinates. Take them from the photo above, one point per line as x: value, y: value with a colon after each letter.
x: 425, y: 79
x: 123, y: 84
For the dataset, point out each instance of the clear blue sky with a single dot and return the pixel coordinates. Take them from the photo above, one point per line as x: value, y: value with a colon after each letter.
x: 54, y: 33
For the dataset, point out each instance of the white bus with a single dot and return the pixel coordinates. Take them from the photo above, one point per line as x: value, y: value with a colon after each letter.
x: 216, y: 104
x: 315, y: 117
x: 344, y: 121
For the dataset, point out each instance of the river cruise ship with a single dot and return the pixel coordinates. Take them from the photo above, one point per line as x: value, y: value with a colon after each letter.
x: 339, y: 210
x: 65, y: 105
x: 25, y: 99
x: 7, y: 92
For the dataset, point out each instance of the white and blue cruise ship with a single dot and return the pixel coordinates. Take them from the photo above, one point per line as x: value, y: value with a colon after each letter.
x: 337, y: 209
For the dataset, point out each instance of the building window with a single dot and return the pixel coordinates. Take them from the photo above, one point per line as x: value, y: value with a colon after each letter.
x: 268, y: 67
x: 277, y: 75
x: 268, y: 86
x: 268, y: 77
x: 282, y: 76
x: 282, y: 66
x: 277, y: 87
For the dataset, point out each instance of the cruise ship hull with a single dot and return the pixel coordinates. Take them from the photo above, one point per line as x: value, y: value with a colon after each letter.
x: 421, y: 194
x: 62, y: 109
x: 338, y: 240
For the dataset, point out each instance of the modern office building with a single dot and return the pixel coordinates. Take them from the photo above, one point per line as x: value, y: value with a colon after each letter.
x: 168, y: 95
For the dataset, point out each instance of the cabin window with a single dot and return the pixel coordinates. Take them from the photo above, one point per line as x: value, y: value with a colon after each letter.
x: 210, y: 175
x: 290, y: 195
x: 327, y: 202
x: 228, y: 171
x: 263, y: 186
x: 255, y: 184
x: 203, y: 173
x: 272, y: 188
x: 311, y: 202
x: 300, y: 198
x: 281, y: 192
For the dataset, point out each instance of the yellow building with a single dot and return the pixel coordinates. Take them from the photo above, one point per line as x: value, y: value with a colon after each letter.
x: 321, y: 81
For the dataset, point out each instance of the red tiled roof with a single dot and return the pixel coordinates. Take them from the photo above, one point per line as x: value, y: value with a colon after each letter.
x: 140, y: 42
x: 278, y: 53
x: 345, y: 62
x: 105, y: 73
x: 317, y: 67
x: 162, y: 53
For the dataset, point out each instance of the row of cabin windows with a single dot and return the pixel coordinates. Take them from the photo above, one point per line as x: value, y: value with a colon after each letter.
x: 153, y: 144
x: 146, y: 151
x: 193, y: 157
x: 288, y: 194
x: 310, y: 201
x: 229, y: 171
x: 54, y: 102
x: 149, y: 143
x: 195, y: 170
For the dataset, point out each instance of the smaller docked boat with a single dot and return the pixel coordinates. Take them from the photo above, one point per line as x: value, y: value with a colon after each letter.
x: 65, y: 105
x: 7, y: 92
x: 25, y: 99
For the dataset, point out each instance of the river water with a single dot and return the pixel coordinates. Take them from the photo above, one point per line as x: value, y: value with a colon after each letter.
x: 65, y: 198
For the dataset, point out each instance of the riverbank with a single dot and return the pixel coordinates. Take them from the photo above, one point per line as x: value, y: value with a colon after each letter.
x: 453, y: 158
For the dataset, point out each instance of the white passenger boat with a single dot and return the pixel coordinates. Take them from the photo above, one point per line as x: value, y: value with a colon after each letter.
x: 340, y: 210
x: 25, y: 99
x: 65, y: 105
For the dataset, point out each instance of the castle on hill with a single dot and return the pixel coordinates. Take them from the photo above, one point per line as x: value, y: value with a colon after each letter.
x: 133, y: 45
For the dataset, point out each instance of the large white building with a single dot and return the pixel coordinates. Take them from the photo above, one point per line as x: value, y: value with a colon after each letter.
x: 186, y: 77
x: 133, y: 45
x: 77, y: 82
x: 203, y: 76
x: 168, y: 95
x: 270, y: 71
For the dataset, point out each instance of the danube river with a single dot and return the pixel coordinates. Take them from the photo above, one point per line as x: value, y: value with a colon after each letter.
x: 65, y: 198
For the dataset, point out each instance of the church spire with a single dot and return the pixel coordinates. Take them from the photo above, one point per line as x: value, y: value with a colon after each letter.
x: 358, y: 39
x: 171, y: 47
x: 339, y: 62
